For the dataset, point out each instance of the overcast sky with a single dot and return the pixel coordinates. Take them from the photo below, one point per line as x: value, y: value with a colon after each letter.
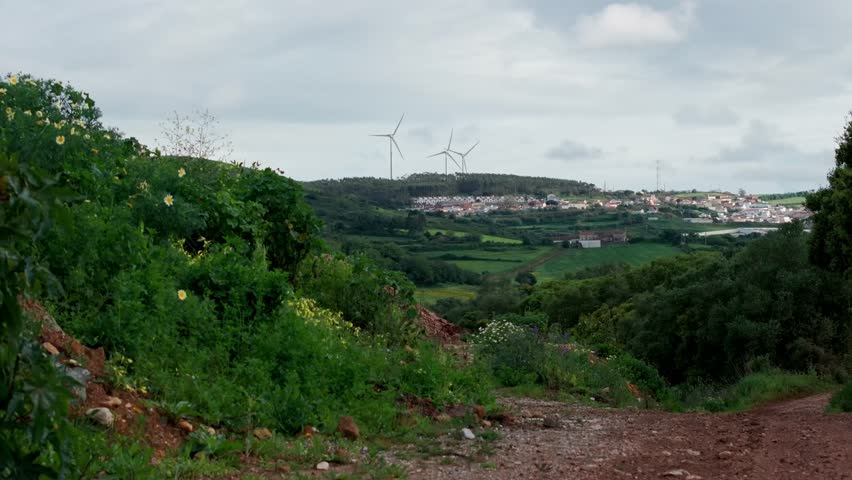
x: 723, y: 93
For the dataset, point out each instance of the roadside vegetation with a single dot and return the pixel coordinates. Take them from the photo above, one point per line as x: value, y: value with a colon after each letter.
x: 207, y: 286
x: 223, y: 300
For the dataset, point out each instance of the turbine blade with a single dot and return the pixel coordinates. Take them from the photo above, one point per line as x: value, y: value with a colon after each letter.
x: 397, y: 148
x: 435, y: 155
x: 382, y: 135
x: 453, y: 159
x: 471, y: 148
x: 450, y: 143
x: 398, y: 124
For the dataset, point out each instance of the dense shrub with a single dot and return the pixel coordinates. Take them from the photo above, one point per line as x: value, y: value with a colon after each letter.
x: 369, y: 297
x: 708, y: 316
x: 519, y: 356
x: 842, y: 400
x: 198, y: 278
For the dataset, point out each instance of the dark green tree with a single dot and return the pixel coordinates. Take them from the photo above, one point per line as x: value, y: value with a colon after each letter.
x: 831, y: 241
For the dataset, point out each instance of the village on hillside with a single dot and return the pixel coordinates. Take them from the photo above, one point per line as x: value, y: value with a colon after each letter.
x: 707, y: 208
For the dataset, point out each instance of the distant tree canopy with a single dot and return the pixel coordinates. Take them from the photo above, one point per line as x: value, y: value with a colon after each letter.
x: 778, y: 196
x: 398, y: 193
x: 831, y: 243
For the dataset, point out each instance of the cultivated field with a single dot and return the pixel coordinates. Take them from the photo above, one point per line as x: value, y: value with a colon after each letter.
x: 490, y: 261
x: 577, y: 259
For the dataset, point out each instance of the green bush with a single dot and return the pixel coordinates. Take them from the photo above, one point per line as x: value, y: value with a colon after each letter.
x: 35, y: 433
x: 514, y: 354
x: 518, y: 356
x: 643, y: 375
x: 199, y: 279
x: 370, y: 298
x: 842, y: 400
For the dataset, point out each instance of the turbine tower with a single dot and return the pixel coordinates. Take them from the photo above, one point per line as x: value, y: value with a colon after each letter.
x: 447, y: 154
x: 464, y: 156
x: 392, y: 143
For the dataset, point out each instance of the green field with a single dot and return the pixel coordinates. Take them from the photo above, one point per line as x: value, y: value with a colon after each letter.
x: 485, y: 238
x: 577, y: 259
x: 503, y: 260
x: 788, y: 201
x: 430, y: 295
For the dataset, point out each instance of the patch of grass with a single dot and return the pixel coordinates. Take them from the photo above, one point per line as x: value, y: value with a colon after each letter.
x: 492, y: 261
x: 580, y: 258
x: 842, y: 400
x: 526, y: 390
x: 749, y: 392
x: 183, y: 468
x: 485, y: 238
x: 431, y: 295
x: 788, y: 201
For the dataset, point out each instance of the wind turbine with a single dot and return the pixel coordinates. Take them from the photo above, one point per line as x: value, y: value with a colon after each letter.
x: 446, y: 153
x: 392, y: 143
x: 464, y: 156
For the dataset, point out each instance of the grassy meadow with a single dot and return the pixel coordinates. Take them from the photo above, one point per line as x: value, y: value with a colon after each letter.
x: 491, y: 261
x: 574, y: 260
x: 792, y: 201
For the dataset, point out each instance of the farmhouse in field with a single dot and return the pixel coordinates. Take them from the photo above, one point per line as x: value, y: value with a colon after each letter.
x: 593, y: 238
x: 604, y: 236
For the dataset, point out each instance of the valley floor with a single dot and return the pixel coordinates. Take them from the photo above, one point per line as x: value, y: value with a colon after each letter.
x: 793, y: 439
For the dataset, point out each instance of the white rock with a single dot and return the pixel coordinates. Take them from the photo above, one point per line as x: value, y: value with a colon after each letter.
x: 101, y: 416
x: 323, y: 466
x: 468, y: 434
x: 676, y: 473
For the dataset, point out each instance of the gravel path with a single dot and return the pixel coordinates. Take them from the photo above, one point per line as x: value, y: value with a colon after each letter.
x: 789, y: 440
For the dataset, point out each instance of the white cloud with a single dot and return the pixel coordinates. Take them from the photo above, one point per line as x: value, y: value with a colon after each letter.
x: 569, y: 151
x: 632, y: 24
x: 301, y: 87
x: 695, y: 116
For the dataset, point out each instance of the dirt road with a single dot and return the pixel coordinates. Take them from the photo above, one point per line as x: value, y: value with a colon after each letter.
x: 789, y: 440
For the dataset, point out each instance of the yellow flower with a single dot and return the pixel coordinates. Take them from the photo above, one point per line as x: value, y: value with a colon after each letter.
x: 39, y: 114
x: 28, y: 113
x: 2, y: 91
x: 181, y: 172
x: 87, y: 136
x: 40, y: 122
x: 106, y: 136
x: 95, y: 150
x: 73, y: 131
x: 60, y: 140
x: 57, y: 125
x: 8, y: 110
x: 13, y: 80
x: 181, y: 295
x: 169, y: 200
